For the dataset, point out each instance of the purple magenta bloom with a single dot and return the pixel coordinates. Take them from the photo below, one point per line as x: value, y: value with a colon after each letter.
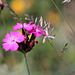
x: 28, y: 27
x: 37, y: 31
x: 11, y: 41
x: 18, y: 26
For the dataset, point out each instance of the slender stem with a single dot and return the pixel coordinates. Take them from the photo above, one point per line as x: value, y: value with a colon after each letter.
x: 65, y: 65
x: 12, y: 12
x: 26, y: 64
x: 62, y: 15
x: 4, y: 24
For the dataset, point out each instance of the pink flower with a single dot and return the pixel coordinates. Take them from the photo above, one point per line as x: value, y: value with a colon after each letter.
x: 37, y: 31
x: 11, y: 41
x: 28, y: 27
x: 18, y: 26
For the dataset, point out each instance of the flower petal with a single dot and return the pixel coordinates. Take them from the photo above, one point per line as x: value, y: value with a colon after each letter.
x: 6, y: 46
x: 14, y: 46
x: 51, y: 30
x: 37, y: 34
x: 13, y: 33
x: 20, y: 38
x: 67, y: 1
x: 44, y: 39
x: 6, y: 38
x: 28, y: 27
x: 46, y: 31
x: 18, y: 26
x: 43, y: 34
x: 51, y: 37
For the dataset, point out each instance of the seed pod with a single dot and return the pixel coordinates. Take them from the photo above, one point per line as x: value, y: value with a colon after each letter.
x: 65, y: 44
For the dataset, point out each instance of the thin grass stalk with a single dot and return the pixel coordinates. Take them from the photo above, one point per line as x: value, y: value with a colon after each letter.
x: 26, y: 64
x: 4, y: 25
x: 63, y: 16
x: 64, y: 64
x: 70, y: 28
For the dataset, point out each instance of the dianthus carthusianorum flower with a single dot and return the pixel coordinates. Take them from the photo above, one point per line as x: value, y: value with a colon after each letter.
x: 26, y: 26
x: 32, y: 28
x: 11, y: 41
x: 23, y: 43
x: 37, y: 31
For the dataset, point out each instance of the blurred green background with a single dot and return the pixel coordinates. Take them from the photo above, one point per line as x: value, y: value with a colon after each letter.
x: 43, y: 59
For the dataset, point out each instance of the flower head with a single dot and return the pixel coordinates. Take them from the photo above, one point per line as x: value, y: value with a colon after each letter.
x: 28, y: 27
x: 11, y: 41
x: 37, y: 31
x: 18, y: 26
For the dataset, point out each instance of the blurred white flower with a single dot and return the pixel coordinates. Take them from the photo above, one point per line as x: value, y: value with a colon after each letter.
x: 66, y: 1
x: 41, y: 21
x: 48, y: 35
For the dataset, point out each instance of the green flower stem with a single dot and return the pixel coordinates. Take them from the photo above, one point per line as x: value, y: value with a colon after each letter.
x: 26, y: 64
